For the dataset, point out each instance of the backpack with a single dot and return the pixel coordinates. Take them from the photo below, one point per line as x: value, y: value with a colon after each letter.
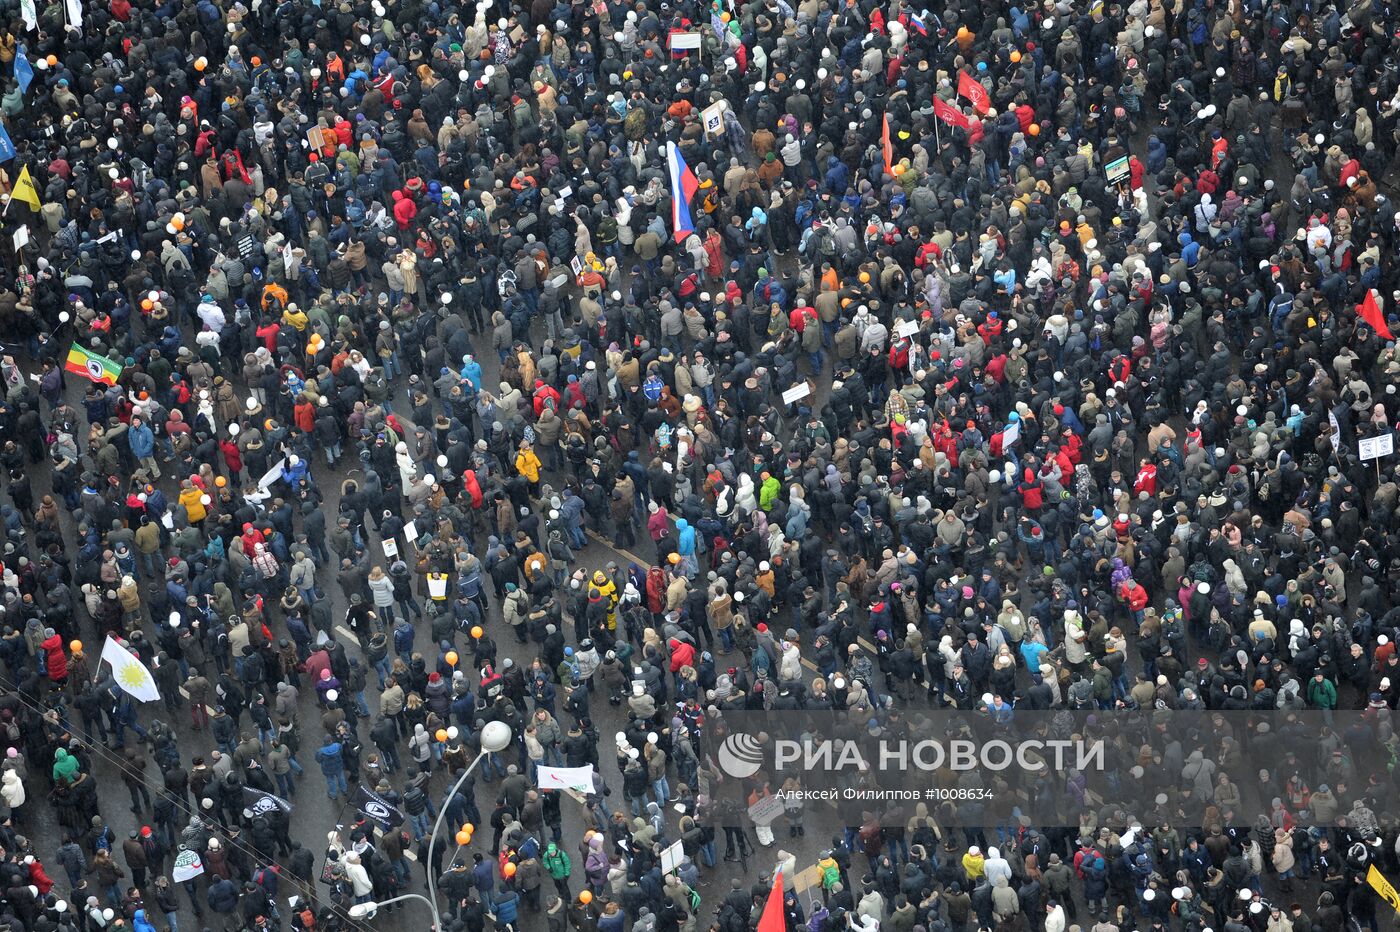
x: 831, y: 873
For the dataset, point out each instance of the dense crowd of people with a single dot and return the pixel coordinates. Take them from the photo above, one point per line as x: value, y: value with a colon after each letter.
x: 375, y: 371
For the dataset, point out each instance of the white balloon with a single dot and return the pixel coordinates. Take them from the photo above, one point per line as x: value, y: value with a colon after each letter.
x: 463, y: 76
x: 64, y: 317
x: 364, y: 39
x: 429, y: 479
x: 113, y: 173
x: 489, y: 71
x: 135, y: 255
x: 332, y: 695
x: 205, y: 500
x: 233, y: 430
x: 452, y: 732
x: 446, y: 297
x: 170, y: 228
x: 41, y: 64
x: 112, y: 142
x: 441, y: 460
x: 994, y: 476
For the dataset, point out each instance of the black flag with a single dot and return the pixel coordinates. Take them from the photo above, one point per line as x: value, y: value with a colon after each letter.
x: 377, y: 809
x: 258, y: 802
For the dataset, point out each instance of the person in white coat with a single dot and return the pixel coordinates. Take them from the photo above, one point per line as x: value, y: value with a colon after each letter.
x: 12, y: 789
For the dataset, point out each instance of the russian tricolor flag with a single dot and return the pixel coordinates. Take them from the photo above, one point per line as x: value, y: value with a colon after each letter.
x: 916, y: 22
x: 683, y: 188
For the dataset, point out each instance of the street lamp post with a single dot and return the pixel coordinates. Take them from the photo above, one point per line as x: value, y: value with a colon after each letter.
x: 367, y: 910
x: 495, y: 737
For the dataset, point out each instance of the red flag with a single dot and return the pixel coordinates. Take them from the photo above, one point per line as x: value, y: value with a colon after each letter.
x: 1370, y: 312
x: 886, y: 146
x: 950, y: 114
x: 974, y: 92
x: 774, y: 918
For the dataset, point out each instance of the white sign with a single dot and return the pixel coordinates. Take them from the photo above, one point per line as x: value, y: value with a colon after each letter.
x: 410, y: 532
x: 906, y: 328
x: 187, y: 866
x: 672, y: 857
x: 271, y: 476
x: 685, y: 40
x: 1011, y: 434
x: 21, y: 238
x: 796, y: 393
x: 1336, y: 437
x: 566, y: 778
x: 391, y: 549
x: 1372, y: 448
x: 766, y: 810
x: 437, y: 586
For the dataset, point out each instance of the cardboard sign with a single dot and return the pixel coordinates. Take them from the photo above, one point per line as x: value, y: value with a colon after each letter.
x: 713, y: 118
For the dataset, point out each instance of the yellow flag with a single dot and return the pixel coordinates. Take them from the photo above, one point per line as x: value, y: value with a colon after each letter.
x: 25, y: 191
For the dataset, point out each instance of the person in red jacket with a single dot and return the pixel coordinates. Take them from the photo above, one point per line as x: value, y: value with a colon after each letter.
x: 682, y: 655
x: 1032, y: 491
x: 545, y: 394
x: 404, y: 210
x: 1146, y: 480
x: 54, y: 657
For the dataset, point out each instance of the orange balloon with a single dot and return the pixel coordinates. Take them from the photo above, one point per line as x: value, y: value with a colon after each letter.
x: 441, y: 735
x: 451, y: 658
x: 464, y: 838
x: 75, y: 646
x: 52, y: 60
x: 1015, y: 56
x: 478, y: 632
x: 177, y: 223
x: 510, y: 869
x: 147, y: 304
x: 585, y: 897
x: 468, y: 827
x: 201, y: 63
x: 1034, y: 129
x: 220, y: 481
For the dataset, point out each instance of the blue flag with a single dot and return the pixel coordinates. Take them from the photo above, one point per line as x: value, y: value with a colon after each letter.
x: 24, y: 71
x: 7, y: 146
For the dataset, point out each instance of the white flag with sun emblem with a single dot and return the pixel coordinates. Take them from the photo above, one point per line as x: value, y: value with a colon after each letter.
x: 130, y: 673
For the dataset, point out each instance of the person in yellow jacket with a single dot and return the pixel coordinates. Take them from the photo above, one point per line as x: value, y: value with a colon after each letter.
x: 528, y: 465
x: 192, y: 498
x: 605, y: 590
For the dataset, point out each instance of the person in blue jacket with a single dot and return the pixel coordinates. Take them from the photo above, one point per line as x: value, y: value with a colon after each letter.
x: 332, y: 760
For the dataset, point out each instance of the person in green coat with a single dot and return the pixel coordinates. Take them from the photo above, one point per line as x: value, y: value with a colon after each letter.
x: 556, y: 861
x: 65, y: 766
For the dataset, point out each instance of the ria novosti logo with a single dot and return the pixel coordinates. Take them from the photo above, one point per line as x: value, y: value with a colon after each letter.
x: 741, y: 756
